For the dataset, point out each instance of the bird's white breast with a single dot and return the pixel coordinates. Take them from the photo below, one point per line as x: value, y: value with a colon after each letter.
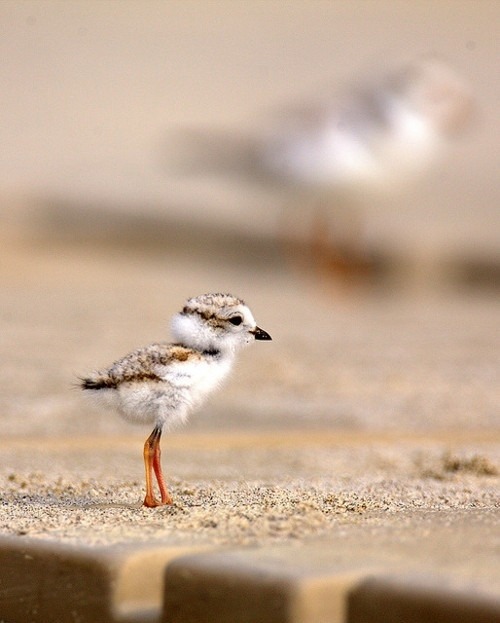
x: 199, y: 377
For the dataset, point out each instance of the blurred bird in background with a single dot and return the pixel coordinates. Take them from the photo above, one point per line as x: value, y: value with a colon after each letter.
x: 337, y: 154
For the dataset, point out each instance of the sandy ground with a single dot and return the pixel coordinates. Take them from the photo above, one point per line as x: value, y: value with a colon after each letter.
x: 360, y: 411
x: 90, y: 493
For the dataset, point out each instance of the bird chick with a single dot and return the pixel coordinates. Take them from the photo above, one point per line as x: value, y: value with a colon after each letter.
x: 163, y: 382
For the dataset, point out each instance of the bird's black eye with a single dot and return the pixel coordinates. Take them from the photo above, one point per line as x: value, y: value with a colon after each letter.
x: 236, y: 320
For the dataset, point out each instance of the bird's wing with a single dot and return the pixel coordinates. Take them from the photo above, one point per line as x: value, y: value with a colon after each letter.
x: 155, y: 362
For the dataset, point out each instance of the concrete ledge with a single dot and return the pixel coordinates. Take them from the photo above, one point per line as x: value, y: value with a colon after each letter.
x: 418, y: 600
x: 46, y: 582
x: 249, y: 586
x: 417, y: 568
x: 357, y: 574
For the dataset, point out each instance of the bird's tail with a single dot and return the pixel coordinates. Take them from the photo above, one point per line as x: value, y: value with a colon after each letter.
x: 96, y: 382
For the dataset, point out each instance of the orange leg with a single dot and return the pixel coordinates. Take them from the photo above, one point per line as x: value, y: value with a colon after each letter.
x: 165, y: 495
x: 152, y: 455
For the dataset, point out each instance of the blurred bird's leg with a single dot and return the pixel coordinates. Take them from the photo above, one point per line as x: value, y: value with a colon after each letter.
x: 337, y: 243
x: 323, y: 236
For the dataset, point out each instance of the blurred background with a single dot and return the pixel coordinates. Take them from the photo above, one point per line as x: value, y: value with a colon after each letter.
x: 95, y: 94
x: 112, y: 214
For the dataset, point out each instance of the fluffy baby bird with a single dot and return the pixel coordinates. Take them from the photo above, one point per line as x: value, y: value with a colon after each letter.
x: 162, y: 383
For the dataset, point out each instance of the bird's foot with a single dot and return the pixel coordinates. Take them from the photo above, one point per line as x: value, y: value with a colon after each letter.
x: 167, y: 500
x: 152, y: 502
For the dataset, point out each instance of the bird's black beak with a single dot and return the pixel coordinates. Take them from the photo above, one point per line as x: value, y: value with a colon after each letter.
x: 260, y: 334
